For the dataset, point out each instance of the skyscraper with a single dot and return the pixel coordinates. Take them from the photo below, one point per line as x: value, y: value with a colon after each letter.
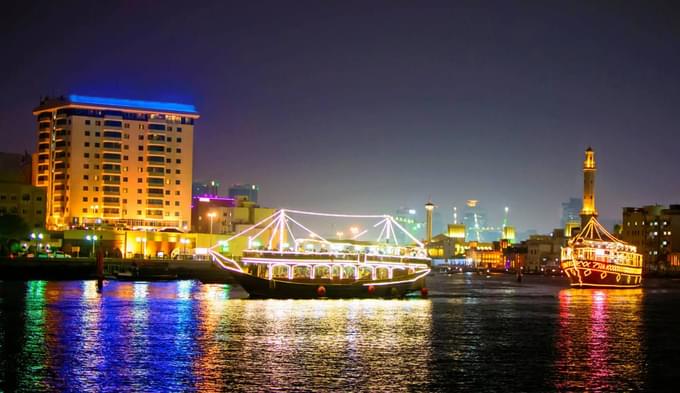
x: 117, y: 161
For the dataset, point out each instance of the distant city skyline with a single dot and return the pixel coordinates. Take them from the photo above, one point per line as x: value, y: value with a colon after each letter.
x: 366, y: 107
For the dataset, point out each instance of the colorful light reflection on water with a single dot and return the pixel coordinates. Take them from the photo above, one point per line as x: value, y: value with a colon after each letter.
x: 474, y: 334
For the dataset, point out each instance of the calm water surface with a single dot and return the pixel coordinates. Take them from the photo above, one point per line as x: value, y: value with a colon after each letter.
x: 474, y: 334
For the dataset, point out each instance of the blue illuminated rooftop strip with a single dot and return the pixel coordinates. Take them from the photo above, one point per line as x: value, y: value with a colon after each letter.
x: 136, y: 104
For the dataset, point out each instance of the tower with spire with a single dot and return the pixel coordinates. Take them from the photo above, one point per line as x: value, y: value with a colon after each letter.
x: 588, y: 188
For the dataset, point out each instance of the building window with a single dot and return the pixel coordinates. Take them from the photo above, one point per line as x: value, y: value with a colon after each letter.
x: 139, y: 201
x: 84, y: 199
x: 125, y: 179
x: 177, y: 171
x: 139, y: 191
x: 125, y: 158
x: 97, y: 133
x: 126, y: 147
x: 177, y: 182
x: 87, y: 144
x: 86, y: 166
x: 86, y: 155
x: 179, y: 140
x: 168, y: 150
x: 96, y: 155
x: 140, y: 158
x: 177, y: 193
x: 141, y: 137
x: 86, y: 177
x: 178, y: 150
x: 179, y: 129
x: 87, y: 133
x: 178, y: 161
x: 84, y: 188
x: 96, y: 144
x: 84, y: 210
x: 95, y: 199
x: 98, y: 123
x: 167, y: 192
x: 167, y: 203
x: 169, y: 139
x: 139, y: 179
x: 87, y: 123
x: 176, y: 203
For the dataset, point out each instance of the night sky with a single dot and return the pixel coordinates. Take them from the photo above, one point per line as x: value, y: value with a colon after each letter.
x: 367, y: 106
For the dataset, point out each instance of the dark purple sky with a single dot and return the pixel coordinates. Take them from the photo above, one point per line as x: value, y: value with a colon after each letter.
x: 367, y: 106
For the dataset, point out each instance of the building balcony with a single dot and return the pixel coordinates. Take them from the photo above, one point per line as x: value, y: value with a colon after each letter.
x: 108, y: 146
x: 108, y: 158
x: 155, y: 181
x: 109, y: 169
x: 155, y: 150
x: 156, y: 139
x: 115, y: 136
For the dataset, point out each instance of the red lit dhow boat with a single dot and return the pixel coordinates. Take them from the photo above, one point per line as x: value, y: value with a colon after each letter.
x: 278, y: 263
x: 595, y: 258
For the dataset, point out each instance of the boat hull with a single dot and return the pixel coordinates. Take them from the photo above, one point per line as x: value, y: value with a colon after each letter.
x: 585, y: 274
x: 258, y: 287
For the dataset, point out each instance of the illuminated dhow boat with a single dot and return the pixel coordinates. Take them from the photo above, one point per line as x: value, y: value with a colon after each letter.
x: 594, y: 257
x: 281, y: 258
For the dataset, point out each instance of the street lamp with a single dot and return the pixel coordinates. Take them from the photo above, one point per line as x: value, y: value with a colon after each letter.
x: 35, y: 237
x: 184, y: 245
x: 93, y: 239
x: 143, y: 241
x: 211, y: 215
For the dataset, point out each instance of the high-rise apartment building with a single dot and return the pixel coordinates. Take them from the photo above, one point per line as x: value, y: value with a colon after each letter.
x: 121, y: 162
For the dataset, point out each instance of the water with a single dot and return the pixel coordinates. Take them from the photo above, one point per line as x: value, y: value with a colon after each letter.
x: 474, y: 334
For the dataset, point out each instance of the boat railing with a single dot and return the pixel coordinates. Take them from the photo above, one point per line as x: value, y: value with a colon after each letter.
x: 354, y: 257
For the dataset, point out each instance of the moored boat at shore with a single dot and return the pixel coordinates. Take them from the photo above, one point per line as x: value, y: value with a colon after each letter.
x: 595, y: 257
x: 315, y: 267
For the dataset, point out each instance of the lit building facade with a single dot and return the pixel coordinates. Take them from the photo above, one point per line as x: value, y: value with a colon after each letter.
x: 655, y: 231
x: 408, y: 218
x: 224, y: 215
x: 17, y: 195
x: 211, y: 187
x: 244, y: 191
x: 117, y: 162
x: 212, y: 214
x: 544, y: 251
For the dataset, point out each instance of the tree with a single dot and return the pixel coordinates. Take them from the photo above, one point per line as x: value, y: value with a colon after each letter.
x: 13, y: 226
